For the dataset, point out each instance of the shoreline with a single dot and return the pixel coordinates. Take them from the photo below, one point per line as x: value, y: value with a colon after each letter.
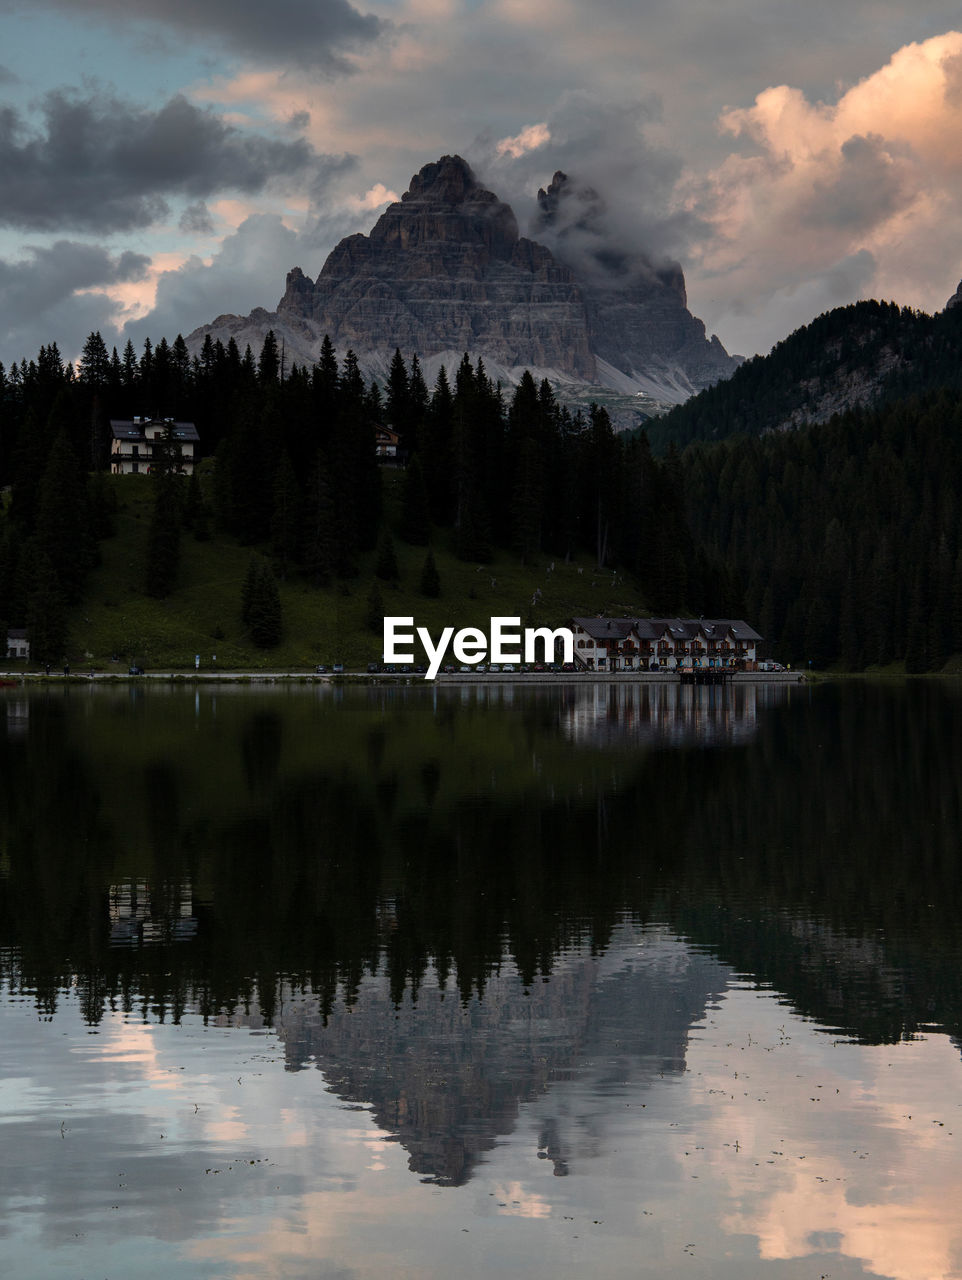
x: 188, y: 676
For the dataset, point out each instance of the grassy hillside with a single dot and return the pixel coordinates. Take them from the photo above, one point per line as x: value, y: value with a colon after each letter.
x: 117, y: 618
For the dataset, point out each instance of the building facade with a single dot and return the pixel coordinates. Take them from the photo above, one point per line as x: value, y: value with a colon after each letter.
x: 135, y: 442
x: 620, y: 644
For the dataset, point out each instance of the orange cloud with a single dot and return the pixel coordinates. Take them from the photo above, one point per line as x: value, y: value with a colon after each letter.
x: 529, y: 139
x: 879, y: 173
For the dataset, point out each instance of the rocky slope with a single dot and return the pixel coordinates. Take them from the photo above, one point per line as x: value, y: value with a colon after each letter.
x: 859, y: 356
x: 639, y: 326
x: 445, y: 270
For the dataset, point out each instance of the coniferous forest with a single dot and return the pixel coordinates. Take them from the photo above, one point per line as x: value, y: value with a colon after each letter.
x: 292, y: 472
x: 840, y: 542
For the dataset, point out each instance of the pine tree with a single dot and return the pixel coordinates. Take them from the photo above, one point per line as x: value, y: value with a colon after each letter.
x: 269, y: 361
x: 94, y: 367
x: 398, y: 395
x: 386, y: 565
x: 46, y: 609
x: 415, y: 526
x: 320, y: 527
x: 196, y: 515
x: 374, y: 611
x: 261, y: 604
x: 287, y: 517
x: 163, y: 538
x: 430, y: 578
x: 62, y: 531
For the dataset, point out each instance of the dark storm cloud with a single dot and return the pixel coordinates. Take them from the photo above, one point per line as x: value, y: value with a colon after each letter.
x: 196, y: 218
x: 40, y: 302
x: 104, y: 165
x: 51, y: 273
x: 309, y: 33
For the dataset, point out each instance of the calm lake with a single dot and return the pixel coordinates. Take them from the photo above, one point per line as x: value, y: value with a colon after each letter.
x: 615, y: 980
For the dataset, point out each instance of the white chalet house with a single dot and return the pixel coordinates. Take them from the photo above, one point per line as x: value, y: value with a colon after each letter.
x: 18, y: 643
x: 133, y: 441
x: 620, y: 644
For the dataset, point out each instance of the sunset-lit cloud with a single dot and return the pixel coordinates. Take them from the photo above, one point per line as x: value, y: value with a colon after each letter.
x: 873, y: 180
x: 377, y: 196
x: 529, y: 139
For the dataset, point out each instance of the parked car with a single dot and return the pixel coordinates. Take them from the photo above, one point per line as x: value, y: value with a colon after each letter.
x: 134, y: 670
x: 320, y: 669
x: 338, y: 668
x: 373, y: 668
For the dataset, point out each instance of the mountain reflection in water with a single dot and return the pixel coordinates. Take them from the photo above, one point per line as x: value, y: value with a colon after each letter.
x: 497, y: 920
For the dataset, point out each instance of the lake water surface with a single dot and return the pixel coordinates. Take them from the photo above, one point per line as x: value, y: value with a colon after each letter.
x: 621, y: 980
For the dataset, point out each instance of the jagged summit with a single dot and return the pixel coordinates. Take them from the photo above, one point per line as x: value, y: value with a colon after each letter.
x: 445, y: 270
x: 639, y: 324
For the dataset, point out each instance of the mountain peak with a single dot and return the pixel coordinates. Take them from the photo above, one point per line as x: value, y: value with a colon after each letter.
x: 449, y: 180
x: 444, y: 271
x: 445, y: 203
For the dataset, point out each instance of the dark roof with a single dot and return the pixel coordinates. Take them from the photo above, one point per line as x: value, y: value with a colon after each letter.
x: 16, y: 633
x: 679, y: 628
x: 134, y: 428
x: 605, y: 628
x: 713, y: 628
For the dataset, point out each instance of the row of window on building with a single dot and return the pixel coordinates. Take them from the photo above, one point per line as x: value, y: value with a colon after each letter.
x: 615, y: 644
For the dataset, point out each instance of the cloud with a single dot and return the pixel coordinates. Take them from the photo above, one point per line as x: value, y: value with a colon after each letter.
x: 105, y: 165
x: 529, y: 139
x: 315, y: 34
x: 250, y: 266
x: 247, y: 271
x: 54, y: 294
x: 607, y: 151
x: 196, y: 219
x: 7, y: 76
x: 816, y: 192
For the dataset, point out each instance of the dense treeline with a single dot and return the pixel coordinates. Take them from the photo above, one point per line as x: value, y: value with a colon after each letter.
x: 846, y: 536
x: 900, y: 351
x: 295, y: 474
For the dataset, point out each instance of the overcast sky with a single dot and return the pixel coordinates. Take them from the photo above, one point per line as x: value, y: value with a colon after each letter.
x: 164, y: 162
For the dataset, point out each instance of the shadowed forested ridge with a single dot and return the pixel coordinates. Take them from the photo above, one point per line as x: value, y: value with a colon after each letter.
x: 868, y: 353
x: 847, y: 537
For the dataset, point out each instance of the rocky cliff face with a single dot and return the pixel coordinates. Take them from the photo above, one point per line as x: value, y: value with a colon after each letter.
x: 445, y: 271
x: 639, y: 325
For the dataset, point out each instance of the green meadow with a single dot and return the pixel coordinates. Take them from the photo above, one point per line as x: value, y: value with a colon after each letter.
x: 118, y: 623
